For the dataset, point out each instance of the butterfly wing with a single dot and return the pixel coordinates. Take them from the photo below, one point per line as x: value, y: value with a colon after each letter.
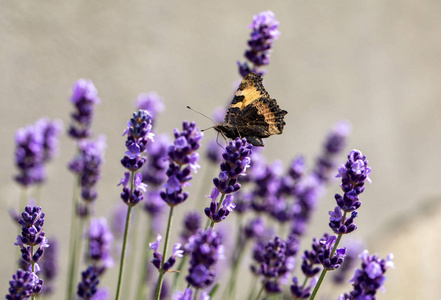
x: 252, y: 113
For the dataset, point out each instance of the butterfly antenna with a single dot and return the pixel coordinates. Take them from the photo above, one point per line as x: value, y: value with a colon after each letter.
x: 202, y: 115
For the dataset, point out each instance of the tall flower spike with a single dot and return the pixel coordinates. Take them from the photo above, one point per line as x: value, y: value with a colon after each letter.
x: 24, y: 285
x: 157, y: 257
x: 88, y: 285
x: 32, y: 235
x: 99, y: 245
x: 84, y: 97
x: 28, y: 155
x: 353, y: 174
x: 139, y: 133
x: 183, y: 159
x: 87, y: 165
x: 275, y: 262
x: 206, y: 248
x: 370, y: 277
x: 236, y: 161
x: 264, y: 32
x: 334, y: 144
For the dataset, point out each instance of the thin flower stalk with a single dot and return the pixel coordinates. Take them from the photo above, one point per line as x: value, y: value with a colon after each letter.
x: 139, y: 134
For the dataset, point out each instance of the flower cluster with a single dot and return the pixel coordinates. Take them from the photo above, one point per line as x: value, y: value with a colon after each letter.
x: 353, y: 174
x: 264, y: 32
x: 275, y: 262
x: 236, y: 161
x: 139, y: 133
x: 99, y: 244
x: 369, y: 278
x: 206, y: 249
x: 84, y: 97
x: 334, y: 144
x: 32, y: 235
x: 87, y: 166
x: 24, y: 285
x: 183, y: 158
x: 35, y: 145
x: 157, y: 257
x: 88, y: 286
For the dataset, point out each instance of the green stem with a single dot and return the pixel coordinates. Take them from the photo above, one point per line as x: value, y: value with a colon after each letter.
x: 73, y: 241
x: 123, y: 252
x: 324, y: 271
x: 164, y: 254
x: 261, y: 289
x: 142, y: 286
x: 132, y: 257
x: 126, y: 235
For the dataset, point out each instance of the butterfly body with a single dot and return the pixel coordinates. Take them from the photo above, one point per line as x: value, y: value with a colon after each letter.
x: 253, y: 114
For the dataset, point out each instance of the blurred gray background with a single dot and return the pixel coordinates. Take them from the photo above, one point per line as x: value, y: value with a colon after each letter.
x: 374, y: 63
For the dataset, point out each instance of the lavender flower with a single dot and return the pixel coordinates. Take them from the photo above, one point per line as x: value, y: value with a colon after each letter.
x: 183, y: 159
x: 264, y: 32
x: 87, y: 165
x: 99, y: 244
x: 24, y: 285
x: 157, y: 257
x: 192, y: 223
x: 151, y: 102
x: 88, y: 285
x: 29, y: 155
x: 354, y: 173
x: 206, y: 248
x: 275, y: 262
x: 237, y: 160
x: 331, y: 262
x: 138, y: 135
x: 32, y: 235
x: 370, y: 277
x: 50, y: 131
x: 333, y: 146
x: 310, y: 268
x: 84, y: 97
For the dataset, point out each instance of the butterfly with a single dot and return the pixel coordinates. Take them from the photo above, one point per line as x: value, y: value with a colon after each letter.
x: 252, y: 114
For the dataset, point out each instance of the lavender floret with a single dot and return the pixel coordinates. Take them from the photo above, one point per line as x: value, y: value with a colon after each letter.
x: 353, y: 174
x: 206, y: 248
x: 99, y: 245
x: 370, y: 277
x: 29, y: 155
x: 183, y: 158
x: 275, y: 261
x: 88, y: 285
x: 236, y: 161
x: 264, y: 32
x: 84, y: 97
x: 24, y: 285
x: 32, y: 235
x: 87, y: 165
